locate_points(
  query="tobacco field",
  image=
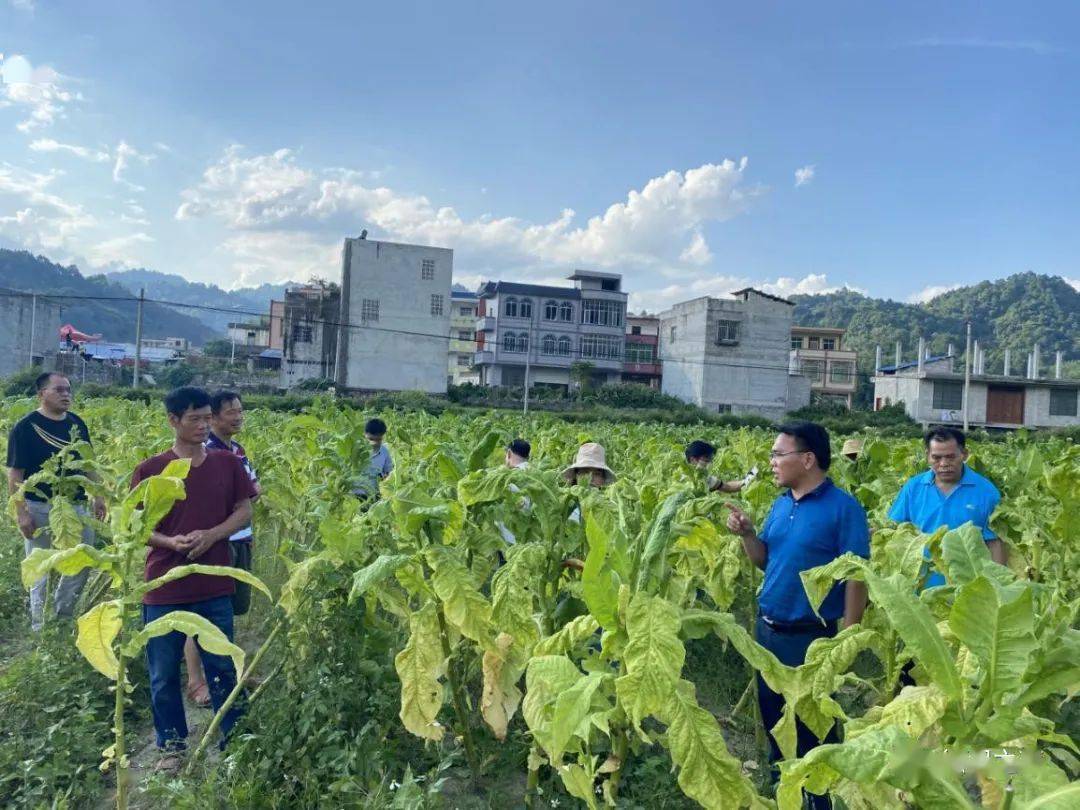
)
(407, 657)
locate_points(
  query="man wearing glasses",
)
(33, 440)
(812, 523)
(949, 494)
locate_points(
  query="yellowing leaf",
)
(653, 657)
(420, 667)
(208, 635)
(65, 525)
(500, 697)
(98, 628)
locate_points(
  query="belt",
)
(798, 627)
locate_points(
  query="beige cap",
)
(852, 448)
(590, 456)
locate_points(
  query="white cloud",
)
(657, 229)
(804, 175)
(125, 154)
(42, 220)
(719, 286)
(120, 250)
(39, 90)
(1033, 45)
(23, 5)
(931, 292)
(49, 145)
(1074, 283)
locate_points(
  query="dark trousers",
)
(790, 646)
(240, 554)
(163, 657)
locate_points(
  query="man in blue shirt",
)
(812, 523)
(949, 494)
(379, 464)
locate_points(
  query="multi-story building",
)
(731, 355)
(250, 333)
(462, 349)
(395, 316)
(546, 329)
(177, 344)
(641, 363)
(932, 392)
(29, 330)
(277, 323)
(309, 333)
(819, 353)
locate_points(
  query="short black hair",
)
(943, 433)
(700, 449)
(219, 398)
(180, 400)
(376, 427)
(41, 381)
(520, 447)
(811, 438)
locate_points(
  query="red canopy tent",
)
(73, 335)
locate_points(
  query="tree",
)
(581, 374)
(217, 348)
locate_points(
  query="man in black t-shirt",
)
(33, 440)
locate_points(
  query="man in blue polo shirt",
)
(812, 523)
(949, 494)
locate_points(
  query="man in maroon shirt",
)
(217, 504)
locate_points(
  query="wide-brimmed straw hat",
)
(852, 448)
(590, 456)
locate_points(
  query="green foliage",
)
(176, 375)
(218, 347)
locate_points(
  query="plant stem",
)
(118, 727)
(747, 693)
(215, 724)
(459, 698)
(533, 781)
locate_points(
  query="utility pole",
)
(138, 338)
(33, 325)
(967, 375)
(528, 358)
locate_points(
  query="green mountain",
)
(170, 287)
(1014, 313)
(115, 320)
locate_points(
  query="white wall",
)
(407, 349)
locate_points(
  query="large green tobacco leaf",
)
(65, 525)
(464, 606)
(577, 709)
(98, 629)
(708, 773)
(599, 584)
(999, 633)
(67, 561)
(1056, 666)
(653, 657)
(915, 710)
(652, 558)
(571, 635)
(549, 678)
(420, 668)
(384, 566)
(206, 633)
(181, 571)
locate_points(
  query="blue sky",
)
(695, 147)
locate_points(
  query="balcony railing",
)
(642, 368)
(485, 323)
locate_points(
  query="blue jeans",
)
(790, 648)
(163, 657)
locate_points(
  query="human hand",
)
(199, 542)
(26, 523)
(738, 523)
(99, 508)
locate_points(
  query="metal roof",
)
(913, 364)
(491, 288)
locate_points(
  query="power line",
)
(575, 353)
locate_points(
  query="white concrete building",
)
(395, 317)
(732, 355)
(548, 328)
(462, 351)
(932, 392)
(309, 333)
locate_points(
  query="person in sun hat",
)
(590, 460)
(852, 449)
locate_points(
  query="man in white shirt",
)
(517, 458)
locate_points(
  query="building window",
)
(427, 269)
(301, 333)
(551, 310)
(467, 311)
(948, 396)
(464, 360)
(601, 347)
(723, 407)
(510, 342)
(466, 334)
(635, 330)
(510, 307)
(814, 369)
(436, 304)
(564, 346)
(522, 343)
(639, 353)
(727, 332)
(525, 308)
(547, 345)
(814, 343)
(828, 344)
(602, 313)
(1063, 401)
(840, 372)
(369, 310)
(566, 312)
(672, 335)
(796, 341)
